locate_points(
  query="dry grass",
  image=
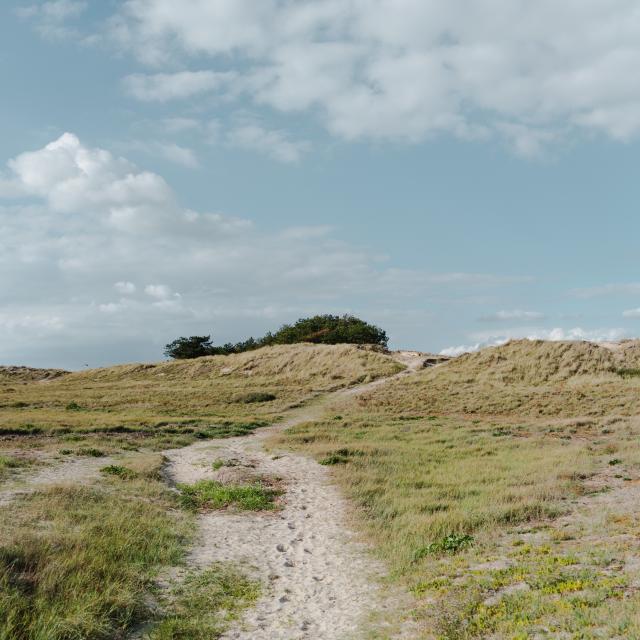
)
(181, 394)
(80, 561)
(522, 378)
(505, 521)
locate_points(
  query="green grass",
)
(77, 562)
(417, 482)
(119, 471)
(204, 604)
(210, 494)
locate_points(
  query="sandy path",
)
(74, 471)
(319, 581)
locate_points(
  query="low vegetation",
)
(211, 494)
(185, 399)
(500, 488)
(523, 378)
(203, 605)
(77, 562)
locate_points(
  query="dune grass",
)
(201, 607)
(418, 481)
(522, 379)
(500, 489)
(11, 463)
(77, 562)
(184, 397)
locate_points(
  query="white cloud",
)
(489, 339)
(631, 313)
(125, 287)
(180, 155)
(51, 18)
(88, 225)
(274, 144)
(513, 314)
(159, 291)
(532, 73)
(162, 87)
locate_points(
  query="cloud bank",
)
(530, 73)
(99, 259)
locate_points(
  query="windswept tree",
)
(329, 329)
(321, 329)
(192, 347)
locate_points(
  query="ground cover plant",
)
(210, 494)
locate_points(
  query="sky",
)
(458, 172)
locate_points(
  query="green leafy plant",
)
(451, 544)
(121, 472)
(211, 494)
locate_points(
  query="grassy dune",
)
(504, 520)
(184, 395)
(80, 556)
(523, 379)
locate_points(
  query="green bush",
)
(256, 396)
(121, 472)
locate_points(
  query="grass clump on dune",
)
(77, 562)
(211, 494)
(204, 604)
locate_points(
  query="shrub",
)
(122, 472)
(329, 329)
(334, 458)
(91, 452)
(73, 406)
(256, 396)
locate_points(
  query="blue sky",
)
(457, 172)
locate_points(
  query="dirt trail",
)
(319, 581)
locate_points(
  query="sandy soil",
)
(319, 581)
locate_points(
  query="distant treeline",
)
(322, 329)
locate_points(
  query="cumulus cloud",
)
(105, 246)
(529, 73)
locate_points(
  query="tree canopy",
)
(320, 329)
